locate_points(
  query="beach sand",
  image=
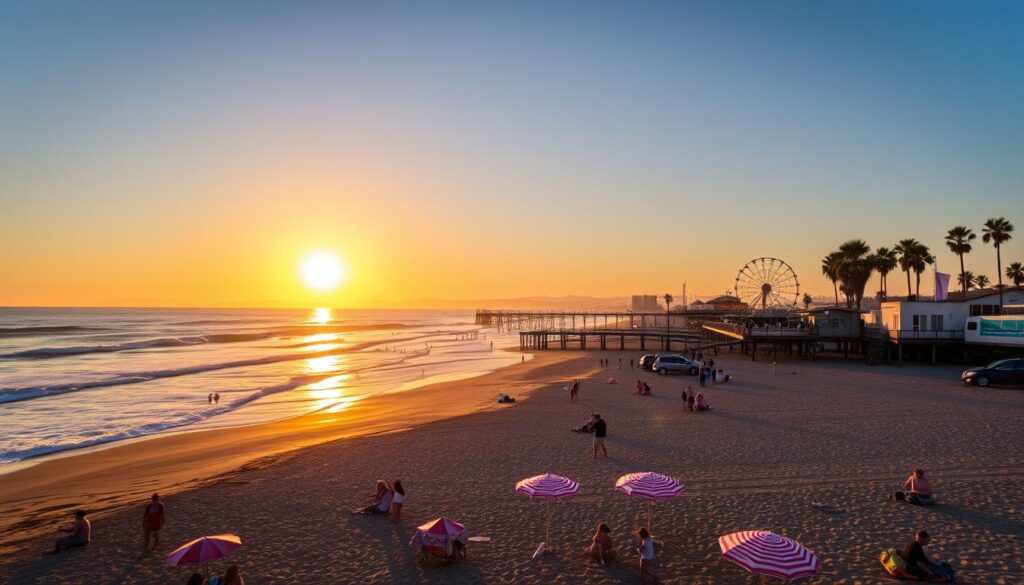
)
(812, 452)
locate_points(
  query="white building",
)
(943, 319)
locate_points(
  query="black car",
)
(647, 361)
(1009, 371)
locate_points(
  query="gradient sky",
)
(190, 153)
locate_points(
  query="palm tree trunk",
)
(909, 292)
(835, 290)
(963, 277)
(917, 288)
(999, 273)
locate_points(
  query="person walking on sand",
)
(689, 400)
(700, 375)
(80, 533)
(209, 397)
(631, 363)
(216, 398)
(152, 521)
(600, 429)
(646, 551)
(574, 391)
(620, 363)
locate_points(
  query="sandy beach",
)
(812, 452)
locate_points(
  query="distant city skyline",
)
(167, 154)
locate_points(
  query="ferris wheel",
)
(767, 283)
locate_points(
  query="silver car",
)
(675, 364)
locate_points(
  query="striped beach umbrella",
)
(547, 487)
(438, 535)
(650, 486)
(203, 550)
(766, 553)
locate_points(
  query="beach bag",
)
(894, 564)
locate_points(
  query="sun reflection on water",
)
(321, 315)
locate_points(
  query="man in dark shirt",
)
(918, 564)
(600, 430)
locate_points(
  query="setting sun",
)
(322, 271)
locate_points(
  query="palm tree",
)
(807, 301)
(668, 316)
(966, 280)
(906, 251)
(1015, 272)
(829, 266)
(959, 241)
(885, 262)
(855, 266)
(982, 281)
(922, 260)
(997, 230)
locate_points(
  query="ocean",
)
(74, 378)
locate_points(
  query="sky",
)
(193, 153)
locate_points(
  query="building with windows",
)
(944, 319)
(645, 304)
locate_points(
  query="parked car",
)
(647, 361)
(1009, 371)
(674, 364)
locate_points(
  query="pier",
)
(514, 320)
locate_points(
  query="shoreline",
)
(34, 494)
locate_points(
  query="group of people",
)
(79, 534)
(695, 403)
(213, 398)
(602, 550)
(642, 388)
(386, 499)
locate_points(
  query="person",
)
(689, 401)
(620, 363)
(701, 405)
(380, 502)
(700, 375)
(209, 397)
(646, 551)
(397, 500)
(233, 577)
(216, 398)
(646, 389)
(639, 387)
(80, 533)
(918, 490)
(600, 431)
(152, 521)
(601, 548)
(918, 564)
(195, 579)
(688, 388)
(631, 363)
(456, 551)
(574, 391)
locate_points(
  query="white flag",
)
(941, 286)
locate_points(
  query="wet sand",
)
(812, 452)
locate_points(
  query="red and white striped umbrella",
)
(204, 549)
(766, 553)
(650, 486)
(547, 486)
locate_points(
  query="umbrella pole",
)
(650, 525)
(547, 523)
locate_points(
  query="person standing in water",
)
(152, 521)
(209, 397)
(216, 398)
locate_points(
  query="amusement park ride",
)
(768, 284)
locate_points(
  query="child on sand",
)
(397, 500)
(646, 551)
(602, 549)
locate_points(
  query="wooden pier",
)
(593, 320)
(604, 339)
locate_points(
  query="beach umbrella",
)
(204, 549)
(547, 487)
(437, 536)
(650, 486)
(766, 553)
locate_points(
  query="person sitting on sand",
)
(918, 564)
(380, 502)
(701, 405)
(152, 521)
(232, 577)
(646, 390)
(646, 552)
(918, 490)
(397, 500)
(601, 548)
(80, 533)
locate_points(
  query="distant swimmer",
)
(216, 398)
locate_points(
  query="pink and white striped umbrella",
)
(204, 549)
(766, 553)
(437, 535)
(650, 486)
(548, 486)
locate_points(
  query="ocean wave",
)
(155, 427)
(295, 331)
(46, 330)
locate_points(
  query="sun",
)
(322, 271)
